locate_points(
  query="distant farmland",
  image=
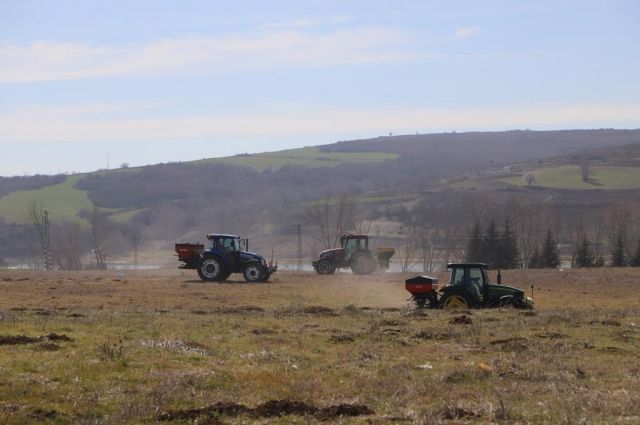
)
(569, 177)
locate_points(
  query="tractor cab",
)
(227, 243)
(352, 244)
(469, 279)
(232, 246)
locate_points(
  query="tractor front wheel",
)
(211, 269)
(255, 272)
(455, 301)
(363, 264)
(325, 267)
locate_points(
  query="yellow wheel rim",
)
(455, 301)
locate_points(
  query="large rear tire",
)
(363, 264)
(255, 272)
(325, 267)
(455, 302)
(212, 269)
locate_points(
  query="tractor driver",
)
(476, 282)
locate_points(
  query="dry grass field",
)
(163, 347)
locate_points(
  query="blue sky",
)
(141, 82)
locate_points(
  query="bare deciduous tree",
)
(68, 240)
(410, 247)
(332, 218)
(426, 249)
(529, 179)
(585, 167)
(39, 218)
(99, 237)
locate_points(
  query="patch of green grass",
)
(569, 177)
(62, 200)
(124, 216)
(308, 157)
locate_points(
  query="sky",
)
(86, 85)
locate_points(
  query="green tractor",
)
(469, 287)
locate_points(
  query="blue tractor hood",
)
(249, 256)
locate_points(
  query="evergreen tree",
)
(635, 260)
(618, 255)
(549, 258)
(584, 255)
(490, 245)
(507, 255)
(598, 261)
(474, 252)
(534, 259)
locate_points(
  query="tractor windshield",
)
(355, 244)
(457, 276)
(228, 244)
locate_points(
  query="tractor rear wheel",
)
(363, 264)
(255, 272)
(211, 269)
(455, 301)
(325, 267)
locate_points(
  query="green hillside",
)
(308, 157)
(63, 201)
(569, 177)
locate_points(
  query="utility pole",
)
(299, 266)
(135, 251)
(48, 258)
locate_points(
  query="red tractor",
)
(354, 253)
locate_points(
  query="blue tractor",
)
(224, 255)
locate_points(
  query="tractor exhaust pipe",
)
(499, 278)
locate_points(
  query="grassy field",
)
(569, 177)
(308, 157)
(62, 201)
(162, 347)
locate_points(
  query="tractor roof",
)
(460, 265)
(354, 235)
(221, 236)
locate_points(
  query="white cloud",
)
(102, 123)
(465, 32)
(49, 61)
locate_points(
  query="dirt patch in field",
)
(23, 339)
(17, 339)
(76, 315)
(319, 311)
(462, 320)
(268, 409)
(48, 346)
(58, 337)
(341, 338)
(263, 331)
(240, 309)
(551, 335)
(605, 322)
(512, 344)
(42, 415)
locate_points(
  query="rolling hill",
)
(262, 194)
